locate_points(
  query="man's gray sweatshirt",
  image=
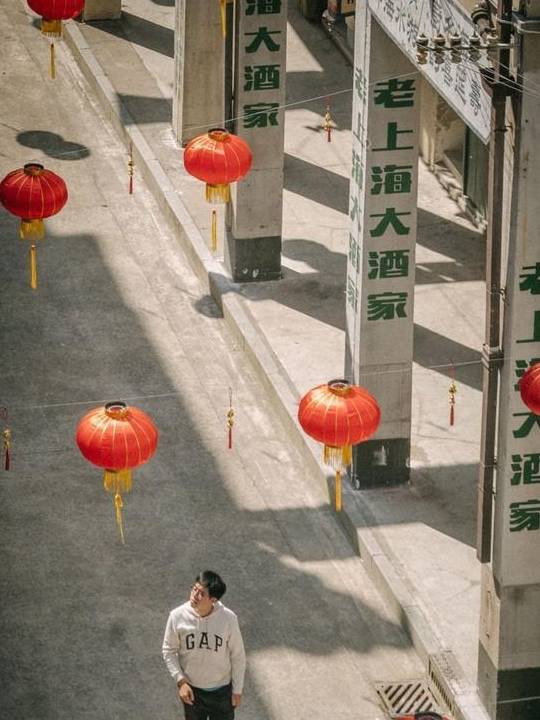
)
(206, 651)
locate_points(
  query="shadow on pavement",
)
(140, 31)
(142, 110)
(82, 610)
(53, 145)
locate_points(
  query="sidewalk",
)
(417, 541)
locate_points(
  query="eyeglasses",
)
(199, 591)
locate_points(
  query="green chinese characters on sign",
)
(390, 218)
(263, 7)
(260, 115)
(521, 367)
(388, 264)
(354, 252)
(357, 169)
(525, 469)
(360, 83)
(536, 329)
(352, 292)
(392, 134)
(527, 425)
(386, 306)
(391, 179)
(261, 77)
(529, 280)
(263, 36)
(525, 515)
(394, 93)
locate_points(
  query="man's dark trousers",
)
(210, 704)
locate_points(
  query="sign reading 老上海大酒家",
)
(382, 231)
(458, 83)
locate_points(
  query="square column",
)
(199, 68)
(509, 650)
(381, 253)
(253, 246)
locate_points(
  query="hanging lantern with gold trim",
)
(52, 13)
(529, 388)
(117, 438)
(33, 193)
(218, 158)
(339, 415)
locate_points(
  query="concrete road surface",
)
(119, 315)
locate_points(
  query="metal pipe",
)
(492, 355)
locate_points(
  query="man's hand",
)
(236, 699)
(185, 693)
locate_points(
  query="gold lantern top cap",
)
(339, 386)
(33, 168)
(116, 409)
(219, 134)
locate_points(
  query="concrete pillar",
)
(509, 649)
(199, 68)
(253, 247)
(381, 253)
(101, 10)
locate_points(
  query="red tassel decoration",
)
(7, 445)
(452, 390)
(328, 123)
(230, 419)
(130, 168)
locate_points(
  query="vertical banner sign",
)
(458, 83)
(261, 43)
(516, 537)
(381, 253)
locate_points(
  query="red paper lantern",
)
(218, 158)
(117, 438)
(339, 415)
(52, 13)
(529, 387)
(33, 193)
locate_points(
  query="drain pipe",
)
(492, 354)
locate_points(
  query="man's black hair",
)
(212, 582)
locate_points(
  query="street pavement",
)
(126, 308)
(119, 314)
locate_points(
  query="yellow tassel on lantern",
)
(51, 28)
(118, 505)
(213, 245)
(34, 229)
(338, 491)
(223, 11)
(52, 62)
(339, 458)
(118, 482)
(220, 193)
(33, 267)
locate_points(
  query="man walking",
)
(204, 652)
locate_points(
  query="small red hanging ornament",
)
(52, 13)
(230, 420)
(117, 438)
(452, 391)
(339, 415)
(529, 388)
(6, 439)
(328, 123)
(218, 158)
(33, 193)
